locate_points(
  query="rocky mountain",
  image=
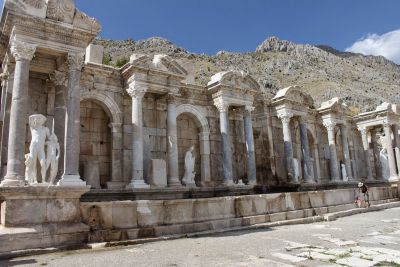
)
(323, 72)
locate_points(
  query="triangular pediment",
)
(162, 63)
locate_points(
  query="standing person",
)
(364, 190)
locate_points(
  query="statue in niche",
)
(296, 169)
(345, 178)
(188, 178)
(384, 160)
(41, 138)
(53, 154)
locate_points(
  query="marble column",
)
(60, 108)
(71, 175)
(346, 152)
(225, 141)
(397, 146)
(272, 158)
(7, 85)
(376, 153)
(364, 136)
(249, 138)
(333, 162)
(305, 148)
(172, 144)
(116, 156)
(137, 92)
(285, 117)
(391, 158)
(204, 138)
(23, 54)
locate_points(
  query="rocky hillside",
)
(362, 81)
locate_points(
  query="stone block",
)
(92, 173)
(150, 213)
(124, 214)
(94, 54)
(158, 173)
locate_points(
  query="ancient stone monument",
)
(150, 130)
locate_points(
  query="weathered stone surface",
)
(158, 173)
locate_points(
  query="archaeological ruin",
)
(91, 152)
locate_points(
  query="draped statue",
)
(188, 178)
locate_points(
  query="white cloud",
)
(387, 45)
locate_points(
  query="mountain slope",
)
(362, 81)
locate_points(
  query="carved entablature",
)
(161, 73)
(335, 109)
(234, 88)
(294, 95)
(386, 113)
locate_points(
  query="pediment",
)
(234, 79)
(162, 63)
(296, 95)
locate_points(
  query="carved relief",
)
(75, 61)
(22, 50)
(36, 3)
(83, 21)
(61, 10)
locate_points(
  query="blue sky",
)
(208, 26)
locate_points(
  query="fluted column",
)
(376, 154)
(346, 151)
(389, 147)
(364, 136)
(397, 146)
(23, 54)
(7, 81)
(137, 92)
(285, 117)
(334, 166)
(60, 108)
(225, 140)
(249, 138)
(71, 175)
(172, 143)
(305, 148)
(116, 156)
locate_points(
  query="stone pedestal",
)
(116, 157)
(41, 217)
(92, 173)
(158, 173)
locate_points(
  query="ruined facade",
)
(117, 126)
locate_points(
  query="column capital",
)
(221, 105)
(285, 115)
(248, 109)
(172, 95)
(363, 130)
(75, 61)
(115, 127)
(329, 124)
(137, 90)
(58, 78)
(22, 50)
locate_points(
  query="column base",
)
(12, 181)
(71, 181)
(310, 182)
(174, 182)
(115, 185)
(393, 179)
(137, 184)
(228, 183)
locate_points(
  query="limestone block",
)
(63, 210)
(158, 173)
(124, 214)
(92, 173)
(178, 211)
(36, 8)
(94, 54)
(150, 213)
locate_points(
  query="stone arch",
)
(110, 106)
(200, 119)
(195, 113)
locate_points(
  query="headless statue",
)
(53, 154)
(188, 178)
(36, 149)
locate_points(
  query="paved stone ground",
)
(369, 239)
